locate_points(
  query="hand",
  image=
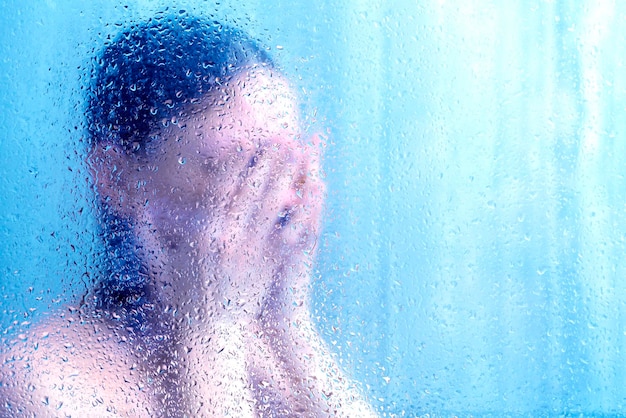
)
(264, 241)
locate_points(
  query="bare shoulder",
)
(67, 367)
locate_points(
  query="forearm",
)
(313, 370)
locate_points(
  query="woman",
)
(211, 204)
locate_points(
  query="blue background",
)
(472, 259)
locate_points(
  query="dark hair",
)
(144, 75)
(149, 71)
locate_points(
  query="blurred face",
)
(199, 162)
(215, 189)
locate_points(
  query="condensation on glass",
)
(307, 207)
(207, 195)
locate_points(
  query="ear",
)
(109, 167)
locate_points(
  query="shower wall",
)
(472, 253)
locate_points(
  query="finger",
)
(298, 237)
(231, 207)
(277, 196)
(316, 191)
(255, 206)
(307, 200)
(254, 182)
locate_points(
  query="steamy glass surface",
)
(470, 253)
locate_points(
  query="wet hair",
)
(153, 69)
(123, 288)
(147, 74)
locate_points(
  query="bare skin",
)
(227, 205)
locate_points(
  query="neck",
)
(185, 279)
